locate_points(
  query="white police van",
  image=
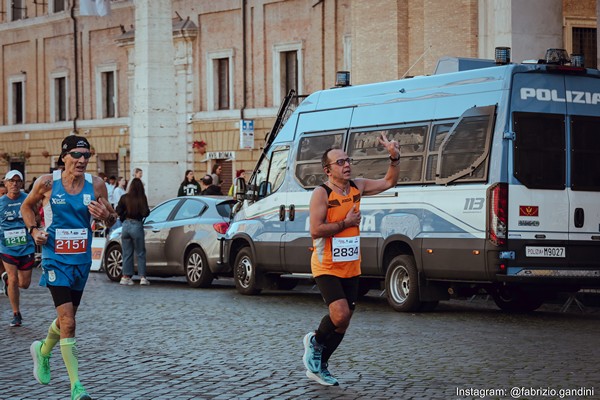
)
(499, 187)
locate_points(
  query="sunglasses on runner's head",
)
(342, 161)
(78, 154)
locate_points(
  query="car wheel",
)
(113, 262)
(244, 273)
(401, 284)
(197, 273)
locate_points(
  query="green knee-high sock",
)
(68, 348)
(52, 338)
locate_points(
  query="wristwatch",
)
(31, 228)
(394, 159)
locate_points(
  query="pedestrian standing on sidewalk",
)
(189, 186)
(17, 249)
(334, 219)
(71, 199)
(132, 209)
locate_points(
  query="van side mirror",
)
(240, 189)
(264, 189)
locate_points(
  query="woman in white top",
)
(119, 190)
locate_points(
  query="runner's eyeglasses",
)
(342, 161)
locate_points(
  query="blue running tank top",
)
(14, 238)
(69, 223)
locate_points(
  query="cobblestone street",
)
(169, 341)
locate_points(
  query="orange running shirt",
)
(322, 258)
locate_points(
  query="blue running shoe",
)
(312, 353)
(323, 377)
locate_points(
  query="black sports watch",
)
(31, 228)
(394, 159)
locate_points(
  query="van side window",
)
(270, 173)
(585, 153)
(438, 134)
(309, 171)
(539, 150)
(371, 160)
(464, 151)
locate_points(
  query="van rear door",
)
(538, 216)
(554, 188)
(584, 165)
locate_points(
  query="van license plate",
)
(554, 252)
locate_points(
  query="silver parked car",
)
(182, 239)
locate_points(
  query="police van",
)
(499, 189)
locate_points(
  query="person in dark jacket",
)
(132, 209)
(210, 189)
(189, 186)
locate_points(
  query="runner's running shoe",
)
(41, 363)
(324, 377)
(78, 392)
(312, 353)
(17, 319)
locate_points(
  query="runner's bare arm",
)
(101, 208)
(319, 227)
(375, 186)
(30, 207)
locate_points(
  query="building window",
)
(581, 38)
(16, 105)
(223, 83)
(219, 80)
(59, 103)
(17, 10)
(584, 42)
(57, 6)
(287, 70)
(106, 92)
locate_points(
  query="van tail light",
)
(498, 214)
(221, 227)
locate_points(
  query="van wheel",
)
(401, 284)
(197, 273)
(513, 299)
(244, 273)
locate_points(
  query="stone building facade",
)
(228, 61)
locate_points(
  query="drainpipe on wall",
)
(244, 62)
(76, 59)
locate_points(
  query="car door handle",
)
(282, 212)
(292, 213)
(579, 217)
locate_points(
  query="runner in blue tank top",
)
(71, 200)
(17, 250)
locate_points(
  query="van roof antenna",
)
(415, 63)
